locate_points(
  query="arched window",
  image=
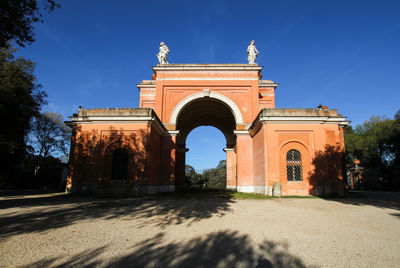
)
(293, 163)
(119, 164)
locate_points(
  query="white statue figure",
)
(163, 54)
(252, 52)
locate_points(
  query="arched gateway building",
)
(142, 150)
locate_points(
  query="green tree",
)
(192, 178)
(372, 143)
(20, 100)
(215, 178)
(17, 19)
(376, 135)
(395, 139)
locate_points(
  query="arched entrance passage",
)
(205, 111)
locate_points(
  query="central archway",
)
(196, 111)
(207, 94)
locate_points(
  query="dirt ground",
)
(53, 230)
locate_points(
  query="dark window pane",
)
(120, 164)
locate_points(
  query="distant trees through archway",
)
(206, 161)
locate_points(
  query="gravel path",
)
(56, 230)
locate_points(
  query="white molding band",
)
(209, 67)
(173, 132)
(84, 118)
(241, 132)
(234, 108)
(118, 120)
(146, 86)
(267, 94)
(304, 119)
(207, 78)
(147, 94)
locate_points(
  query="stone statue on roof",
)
(163, 54)
(252, 52)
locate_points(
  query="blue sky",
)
(343, 54)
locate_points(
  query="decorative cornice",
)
(299, 119)
(297, 116)
(208, 67)
(117, 115)
(207, 79)
(146, 86)
(267, 83)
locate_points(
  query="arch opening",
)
(205, 144)
(207, 95)
(207, 112)
(205, 166)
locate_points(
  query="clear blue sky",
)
(343, 54)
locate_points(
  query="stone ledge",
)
(115, 112)
(212, 67)
(299, 112)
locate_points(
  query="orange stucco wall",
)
(255, 161)
(171, 87)
(91, 157)
(259, 161)
(315, 142)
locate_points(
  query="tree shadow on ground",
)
(86, 258)
(389, 200)
(396, 215)
(218, 249)
(45, 213)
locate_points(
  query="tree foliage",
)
(20, 100)
(395, 139)
(372, 142)
(215, 178)
(212, 178)
(17, 18)
(49, 135)
(21, 97)
(192, 178)
(376, 143)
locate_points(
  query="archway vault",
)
(205, 111)
(206, 94)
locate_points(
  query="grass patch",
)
(199, 194)
(299, 196)
(194, 194)
(238, 195)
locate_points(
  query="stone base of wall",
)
(156, 189)
(252, 189)
(121, 190)
(328, 190)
